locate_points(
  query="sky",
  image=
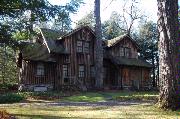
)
(149, 7)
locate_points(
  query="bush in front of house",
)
(11, 98)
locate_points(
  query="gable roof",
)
(35, 52)
(50, 39)
(76, 30)
(114, 41)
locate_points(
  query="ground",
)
(92, 105)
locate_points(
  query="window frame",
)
(65, 71)
(127, 51)
(40, 69)
(79, 46)
(122, 53)
(86, 47)
(81, 73)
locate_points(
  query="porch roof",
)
(131, 62)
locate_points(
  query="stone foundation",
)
(39, 88)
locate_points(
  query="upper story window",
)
(86, 47)
(65, 70)
(82, 46)
(81, 71)
(127, 52)
(121, 51)
(66, 59)
(79, 46)
(40, 69)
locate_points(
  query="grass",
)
(85, 97)
(103, 96)
(142, 110)
(136, 111)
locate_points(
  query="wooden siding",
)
(29, 69)
(76, 58)
(125, 43)
(125, 76)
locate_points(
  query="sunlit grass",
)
(141, 111)
(103, 96)
(85, 97)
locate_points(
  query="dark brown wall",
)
(76, 59)
(29, 69)
(115, 51)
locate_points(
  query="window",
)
(86, 47)
(65, 70)
(40, 69)
(92, 71)
(66, 59)
(121, 51)
(127, 52)
(81, 71)
(79, 46)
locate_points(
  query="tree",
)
(21, 15)
(110, 28)
(98, 46)
(17, 18)
(168, 53)
(87, 20)
(129, 16)
(148, 41)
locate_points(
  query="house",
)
(56, 61)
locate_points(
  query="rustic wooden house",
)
(54, 61)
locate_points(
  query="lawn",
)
(103, 96)
(136, 111)
(85, 107)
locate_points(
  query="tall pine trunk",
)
(168, 53)
(98, 46)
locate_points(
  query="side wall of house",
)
(135, 77)
(29, 78)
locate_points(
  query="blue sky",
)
(149, 7)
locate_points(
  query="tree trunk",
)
(98, 47)
(168, 52)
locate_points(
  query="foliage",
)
(147, 38)
(110, 27)
(17, 20)
(11, 98)
(8, 68)
(129, 16)
(20, 15)
(87, 20)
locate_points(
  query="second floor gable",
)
(122, 46)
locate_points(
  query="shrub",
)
(11, 98)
